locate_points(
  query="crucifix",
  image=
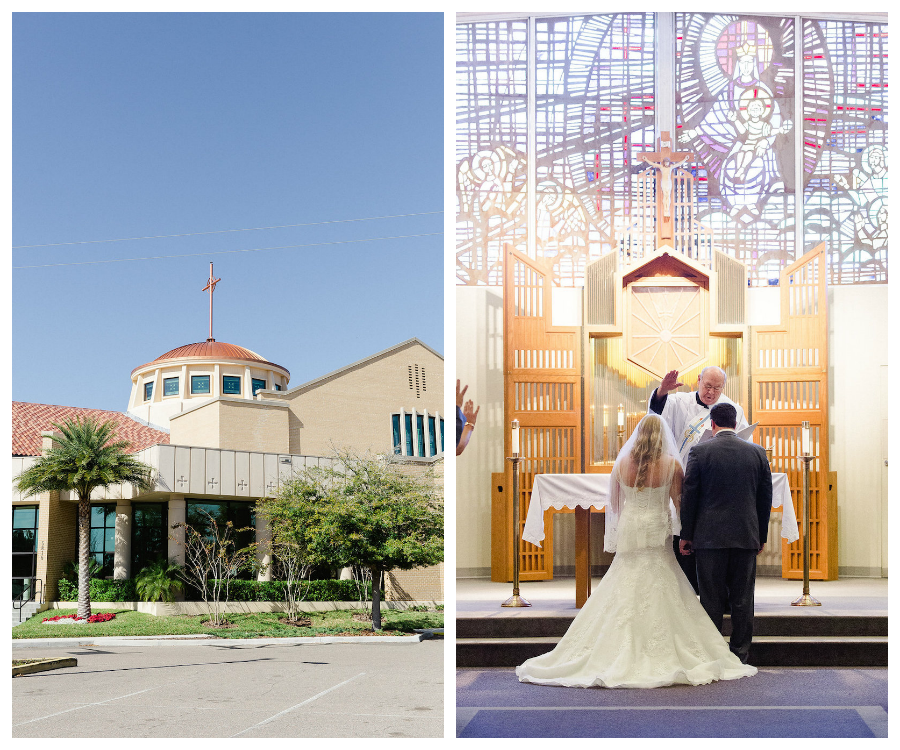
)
(211, 287)
(666, 160)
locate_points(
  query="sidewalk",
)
(208, 640)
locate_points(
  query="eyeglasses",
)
(711, 388)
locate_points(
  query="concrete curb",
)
(204, 640)
(44, 665)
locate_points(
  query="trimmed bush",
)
(101, 590)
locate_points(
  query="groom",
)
(725, 506)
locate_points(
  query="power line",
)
(227, 252)
(224, 231)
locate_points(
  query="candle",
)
(605, 412)
(805, 438)
(515, 437)
(621, 415)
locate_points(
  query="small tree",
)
(212, 560)
(292, 567)
(287, 514)
(365, 511)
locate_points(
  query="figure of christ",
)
(759, 135)
(666, 166)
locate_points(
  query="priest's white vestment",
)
(690, 419)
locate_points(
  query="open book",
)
(745, 434)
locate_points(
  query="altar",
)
(584, 492)
(579, 370)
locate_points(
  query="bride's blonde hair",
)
(648, 448)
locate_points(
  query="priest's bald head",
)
(710, 384)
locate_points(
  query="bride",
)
(643, 626)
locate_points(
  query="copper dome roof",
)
(212, 350)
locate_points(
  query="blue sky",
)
(135, 125)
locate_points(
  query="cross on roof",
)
(211, 287)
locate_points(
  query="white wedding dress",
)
(643, 626)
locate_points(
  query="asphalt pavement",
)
(235, 689)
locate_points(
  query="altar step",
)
(778, 641)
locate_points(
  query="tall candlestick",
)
(621, 415)
(515, 437)
(805, 438)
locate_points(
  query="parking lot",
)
(235, 690)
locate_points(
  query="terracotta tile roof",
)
(28, 420)
(211, 349)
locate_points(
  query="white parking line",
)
(303, 703)
(84, 705)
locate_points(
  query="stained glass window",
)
(734, 96)
(258, 384)
(845, 147)
(769, 107)
(490, 149)
(148, 391)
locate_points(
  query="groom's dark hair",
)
(724, 415)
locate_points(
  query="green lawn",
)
(258, 625)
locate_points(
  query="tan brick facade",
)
(417, 585)
(352, 407)
(57, 539)
(233, 424)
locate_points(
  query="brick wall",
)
(417, 585)
(57, 540)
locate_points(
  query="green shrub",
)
(311, 591)
(159, 581)
(101, 590)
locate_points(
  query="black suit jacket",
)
(727, 496)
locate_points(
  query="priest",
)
(688, 413)
(688, 416)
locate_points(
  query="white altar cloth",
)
(592, 491)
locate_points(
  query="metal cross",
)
(211, 287)
(181, 480)
(242, 484)
(212, 483)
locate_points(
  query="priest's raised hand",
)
(669, 383)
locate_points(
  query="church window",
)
(784, 118)
(259, 384)
(231, 385)
(242, 515)
(277, 387)
(395, 433)
(420, 434)
(407, 422)
(414, 435)
(170, 387)
(148, 391)
(149, 535)
(199, 383)
(103, 537)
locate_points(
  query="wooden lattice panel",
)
(789, 386)
(542, 372)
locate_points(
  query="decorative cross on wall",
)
(212, 483)
(181, 480)
(242, 485)
(211, 287)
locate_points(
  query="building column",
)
(263, 549)
(177, 514)
(122, 555)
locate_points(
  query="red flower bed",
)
(102, 617)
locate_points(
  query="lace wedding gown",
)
(643, 627)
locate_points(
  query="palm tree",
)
(86, 457)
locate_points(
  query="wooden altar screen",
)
(542, 389)
(790, 385)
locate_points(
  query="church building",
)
(222, 427)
